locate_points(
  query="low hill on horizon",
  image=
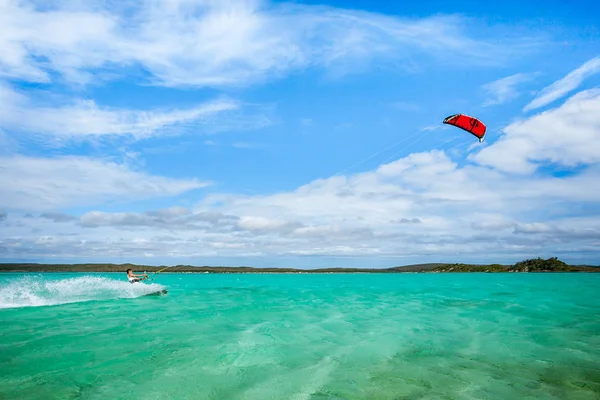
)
(531, 265)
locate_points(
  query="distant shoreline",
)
(374, 272)
(531, 265)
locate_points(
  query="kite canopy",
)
(469, 124)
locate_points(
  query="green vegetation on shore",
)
(552, 264)
(532, 265)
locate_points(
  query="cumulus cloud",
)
(32, 183)
(174, 218)
(567, 136)
(468, 211)
(216, 43)
(458, 205)
(565, 85)
(505, 89)
(565, 231)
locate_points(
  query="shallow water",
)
(301, 336)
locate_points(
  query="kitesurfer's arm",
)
(135, 278)
(140, 277)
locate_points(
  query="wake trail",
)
(36, 291)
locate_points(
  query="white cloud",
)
(431, 128)
(57, 216)
(216, 43)
(565, 85)
(453, 204)
(178, 218)
(262, 224)
(83, 118)
(505, 89)
(568, 136)
(33, 42)
(423, 205)
(30, 183)
(8, 145)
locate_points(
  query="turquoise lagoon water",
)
(301, 336)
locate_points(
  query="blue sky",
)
(303, 134)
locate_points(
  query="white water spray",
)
(34, 291)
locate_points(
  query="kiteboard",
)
(158, 293)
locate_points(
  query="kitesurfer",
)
(135, 278)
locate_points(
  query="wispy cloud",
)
(431, 128)
(82, 118)
(210, 43)
(31, 183)
(565, 85)
(8, 145)
(505, 89)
